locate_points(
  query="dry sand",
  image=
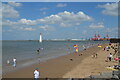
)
(63, 67)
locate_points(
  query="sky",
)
(58, 20)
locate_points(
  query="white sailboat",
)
(40, 40)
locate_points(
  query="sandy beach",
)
(73, 65)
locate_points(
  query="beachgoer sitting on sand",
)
(104, 48)
(94, 55)
(71, 59)
(116, 59)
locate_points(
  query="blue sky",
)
(58, 20)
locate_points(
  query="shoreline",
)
(28, 62)
(55, 68)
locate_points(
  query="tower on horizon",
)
(40, 40)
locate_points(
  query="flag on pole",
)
(76, 49)
(75, 46)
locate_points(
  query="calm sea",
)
(26, 51)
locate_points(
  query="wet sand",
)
(73, 65)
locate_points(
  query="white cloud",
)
(44, 8)
(47, 28)
(27, 29)
(9, 11)
(20, 22)
(65, 25)
(27, 22)
(65, 18)
(8, 23)
(61, 5)
(98, 25)
(15, 4)
(110, 9)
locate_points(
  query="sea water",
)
(26, 51)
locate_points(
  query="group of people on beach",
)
(110, 57)
(14, 63)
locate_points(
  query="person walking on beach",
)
(36, 74)
(110, 57)
(14, 62)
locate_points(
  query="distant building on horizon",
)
(98, 38)
(40, 40)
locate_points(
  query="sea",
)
(26, 51)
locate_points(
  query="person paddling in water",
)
(14, 62)
(38, 52)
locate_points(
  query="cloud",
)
(8, 23)
(27, 22)
(9, 11)
(110, 9)
(47, 28)
(98, 25)
(20, 22)
(42, 9)
(65, 18)
(65, 25)
(61, 5)
(15, 4)
(27, 29)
